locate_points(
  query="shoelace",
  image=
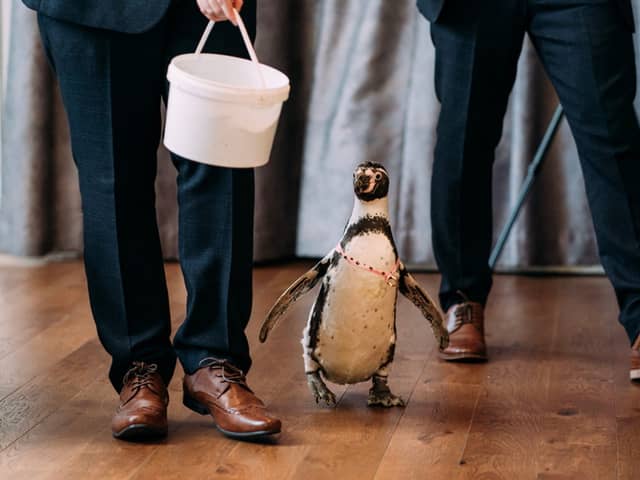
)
(464, 313)
(140, 375)
(228, 372)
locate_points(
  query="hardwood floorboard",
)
(430, 438)
(504, 433)
(85, 415)
(40, 297)
(370, 429)
(36, 400)
(277, 367)
(580, 438)
(554, 402)
(627, 408)
(26, 361)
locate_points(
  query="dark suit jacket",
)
(432, 9)
(128, 16)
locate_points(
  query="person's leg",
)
(111, 86)
(477, 47)
(216, 254)
(215, 220)
(587, 49)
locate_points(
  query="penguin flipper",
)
(411, 289)
(301, 286)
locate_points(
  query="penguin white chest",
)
(356, 333)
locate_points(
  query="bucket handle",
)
(245, 38)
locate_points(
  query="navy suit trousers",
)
(112, 85)
(587, 50)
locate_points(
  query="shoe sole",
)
(140, 432)
(467, 357)
(634, 375)
(197, 407)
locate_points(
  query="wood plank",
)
(554, 402)
(369, 430)
(628, 427)
(627, 398)
(479, 418)
(505, 430)
(580, 426)
(86, 448)
(84, 419)
(70, 328)
(203, 451)
(80, 416)
(40, 352)
(431, 435)
(42, 298)
(29, 405)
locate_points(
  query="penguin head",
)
(370, 181)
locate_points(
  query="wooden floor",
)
(553, 403)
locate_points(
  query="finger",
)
(209, 11)
(203, 6)
(215, 17)
(215, 9)
(237, 4)
(227, 8)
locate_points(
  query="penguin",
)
(350, 335)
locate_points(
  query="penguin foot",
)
(380, 395)
(384, 399)
(319, 389)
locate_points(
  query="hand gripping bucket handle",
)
(245, 38)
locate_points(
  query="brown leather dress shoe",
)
(142, 413)
(220, 389)
(634, 372)
(465, 323)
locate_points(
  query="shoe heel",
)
(194, 405)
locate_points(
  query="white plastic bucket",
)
(220, 112)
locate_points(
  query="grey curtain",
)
(362, 89)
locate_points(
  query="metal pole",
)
(532, 172)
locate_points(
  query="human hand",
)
(220, 10)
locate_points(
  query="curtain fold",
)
(362, 89)
(37, 209)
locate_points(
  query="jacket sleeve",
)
(627, 12)
(127, 16)
(431, 9)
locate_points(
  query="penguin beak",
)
(363, 184)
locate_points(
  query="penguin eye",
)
(378, 176)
